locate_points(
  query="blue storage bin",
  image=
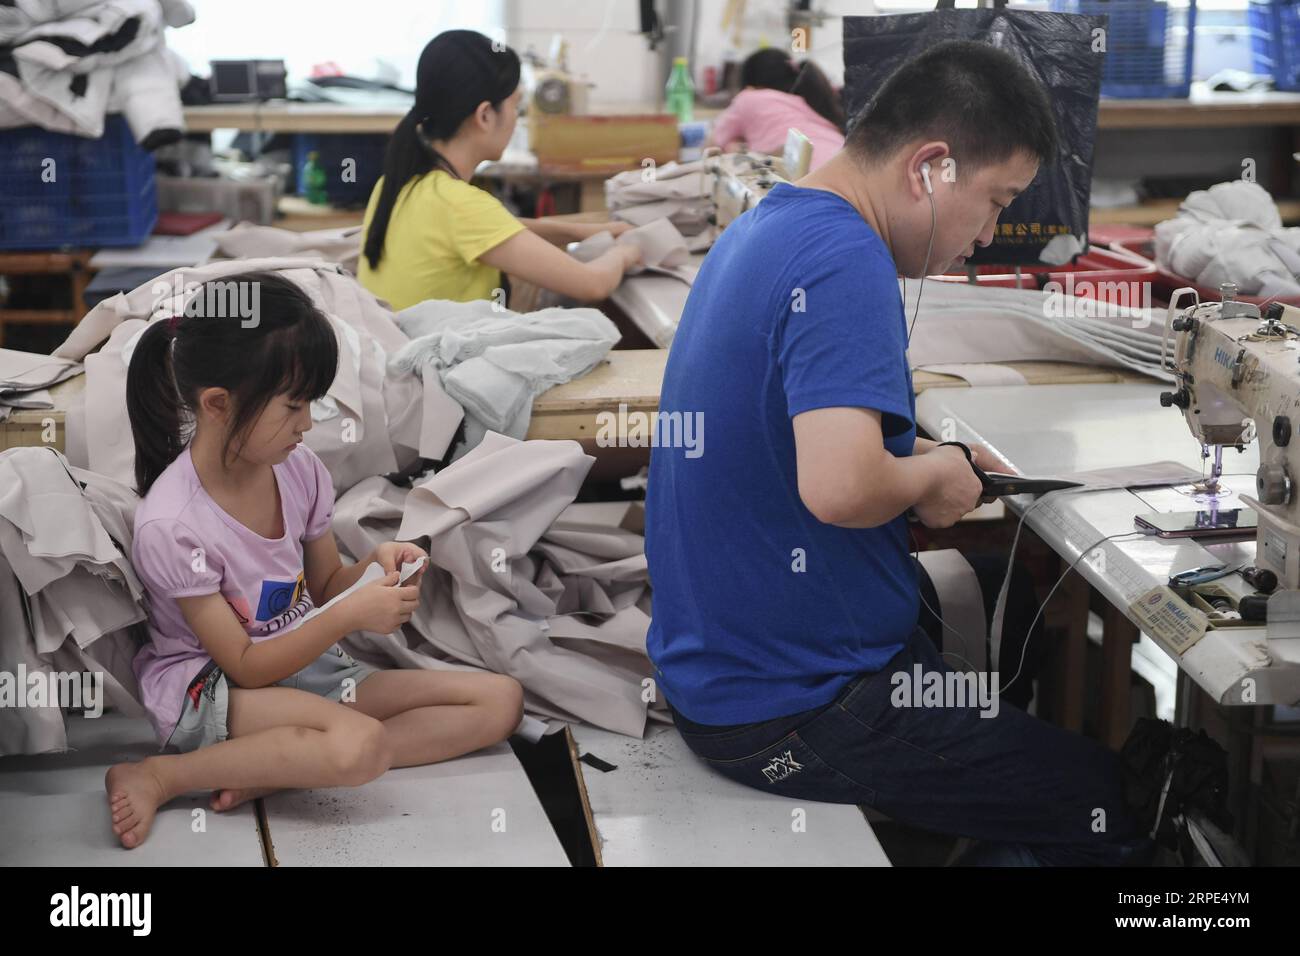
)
(1149, 46)
(1275, 40)
(102, 193)
(365, 149)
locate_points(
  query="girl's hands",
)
(391, 555)
(381, 606)
(614, 227)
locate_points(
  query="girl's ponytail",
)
(254, 334)
(152, 402)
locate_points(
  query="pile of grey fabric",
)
(66, 64)
(674, 191)
(494, 362)
(70, 603)
(522, 581)
(26, 378)
(1232, 232)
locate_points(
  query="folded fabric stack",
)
(965, 330)
(494, 362)
(68, 63)
(1232, 232)
(663, 249)
(25, 379)
(674, 191)
(69, 599)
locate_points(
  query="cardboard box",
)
(603, 143)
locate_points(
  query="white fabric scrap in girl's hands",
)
(374, 572)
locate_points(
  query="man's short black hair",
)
(978, 99)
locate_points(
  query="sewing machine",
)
(738, 181)
(1238, 380)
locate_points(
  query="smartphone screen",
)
(1192, 523)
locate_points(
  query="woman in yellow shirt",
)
(428, 233)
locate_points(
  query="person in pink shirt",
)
(242, 676)
(776, 96)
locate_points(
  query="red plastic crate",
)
(1095, 271)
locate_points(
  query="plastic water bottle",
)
(679, 94)
(314, 175)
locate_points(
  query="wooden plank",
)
(663, 806)
(1036, 373)
(1203, 108)
(299, 215)
(293, 118)
(1118, 635)
(1155, 211)
(54, 811)
(476, 810)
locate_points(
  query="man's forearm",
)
(902, 483)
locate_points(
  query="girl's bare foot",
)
(229, 799)
(134, 796)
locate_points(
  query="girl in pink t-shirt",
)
(243, 674)
(776, 96)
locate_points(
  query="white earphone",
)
(929, 194)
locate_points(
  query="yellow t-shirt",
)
(439, 227)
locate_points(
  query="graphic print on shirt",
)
(280, 604)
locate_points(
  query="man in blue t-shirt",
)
(785, 595)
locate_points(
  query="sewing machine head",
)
(1238, 380)
(738, 181)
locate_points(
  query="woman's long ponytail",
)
(458, 70)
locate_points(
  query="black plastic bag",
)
(1057, 48)
(1170, 772)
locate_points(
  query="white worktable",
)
(654, 303)
(663, 806)
(1059, 429)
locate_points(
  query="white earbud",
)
(925, 177)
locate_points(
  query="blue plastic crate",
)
(1275, 40)
(1149, 46)
(365, 149)
(102, 191)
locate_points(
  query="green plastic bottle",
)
(679, 94)
(314, 175)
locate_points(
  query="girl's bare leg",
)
(279, 738)
(430, 716)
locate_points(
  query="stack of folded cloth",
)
(25, 379)
(674, 191)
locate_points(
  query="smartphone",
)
(1196, 524)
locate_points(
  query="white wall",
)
(306, 32)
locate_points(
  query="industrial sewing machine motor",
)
(1238, 380)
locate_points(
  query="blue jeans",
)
(1035, 794)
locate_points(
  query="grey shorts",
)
(204, 712)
